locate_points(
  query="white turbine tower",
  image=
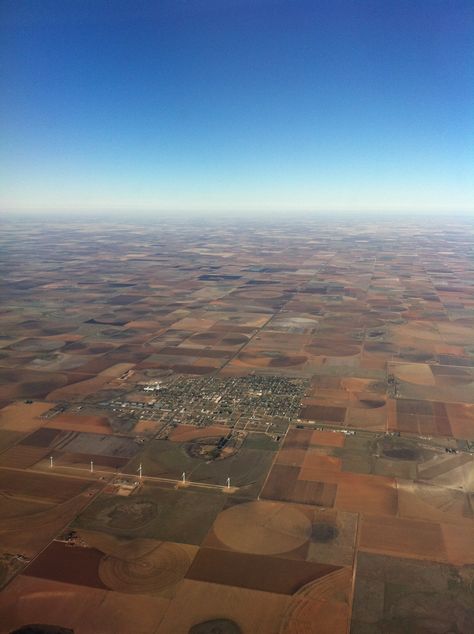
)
(140, 471)
(92, 466)
(228, 483)
(50, 462)
(183, 477)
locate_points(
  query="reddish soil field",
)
(360, 493)
(70, 564)
(328, 464)
(80, 422)
(291, 457)
(328, 438)
(257, 572)
(461, 418)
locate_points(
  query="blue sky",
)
(237, 105)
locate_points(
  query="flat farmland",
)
(48, 488)
(60, 562)
(140, 566)
(81, 608)
(27, 526)
(80, 423)
(200, 602)
(326, 368)
(23, 417)
(256, 572)
(182, 516)
(398, 595)
(401, 537)
(247, 468)
(263, 528)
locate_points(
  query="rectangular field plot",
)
(22, 457)
(178, 515)
(97, 444)
(402, 537)
(69, 421)
(391, 594)
(69, 564)
(23, 417)
(44, 600)
(358, 493)
(284, 484)
(257, 572)
(50, 488)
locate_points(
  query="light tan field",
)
(199, 601)
(85, 610)
(22, 416)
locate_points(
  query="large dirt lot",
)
(314, 382)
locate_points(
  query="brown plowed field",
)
(70, 564)
(80, 422)
(257, 572)
(22, 457)
(323, 413)
(44, 487)
(43, 437)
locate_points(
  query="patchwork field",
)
(244, 429)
